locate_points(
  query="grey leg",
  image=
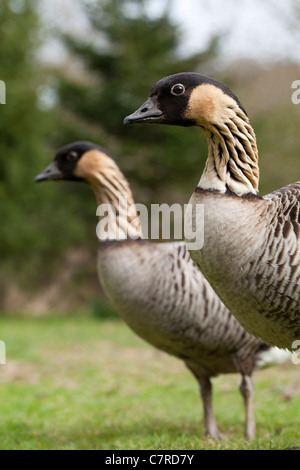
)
(211, 428)
(247, 391)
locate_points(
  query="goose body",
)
(173, 307)
(251, 252)
(261, 286)
(157, 289)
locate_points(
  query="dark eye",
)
(72, 156)
(177, 89)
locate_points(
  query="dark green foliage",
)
(103, 310)
(31, 215)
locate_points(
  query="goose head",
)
(187, 99)
(78, 161)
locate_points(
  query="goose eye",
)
(177, 89)
(72, 156)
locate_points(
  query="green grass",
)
(75, 382)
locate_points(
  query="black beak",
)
(52, 172)
(148, 112)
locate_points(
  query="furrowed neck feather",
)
(232, 162)
(118, 217)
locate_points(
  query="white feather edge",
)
(272, 357)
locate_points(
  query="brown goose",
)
(251, 253)
(156, 288)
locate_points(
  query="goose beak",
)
(52, 172)
(148, 112)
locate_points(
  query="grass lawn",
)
(77, 382)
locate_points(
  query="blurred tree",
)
(127, 50)
(29, 214)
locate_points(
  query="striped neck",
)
(232, 162)
(118, 217)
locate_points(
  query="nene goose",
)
(156, 288)
(251, 253)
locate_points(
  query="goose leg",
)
(211, 428)
(247, 391)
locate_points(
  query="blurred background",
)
(73, 70)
